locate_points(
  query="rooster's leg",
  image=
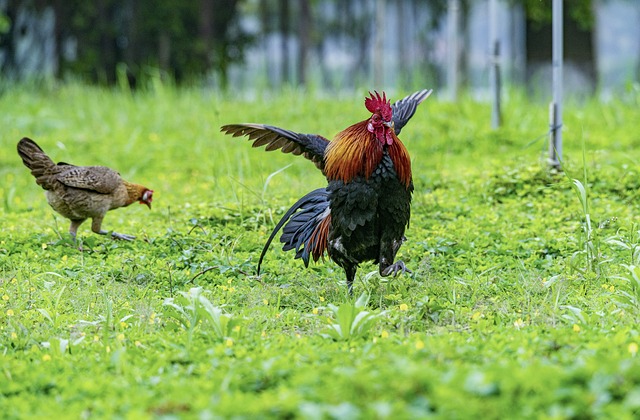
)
(350, 271)
(397, 267)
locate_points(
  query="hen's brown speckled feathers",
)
(81, 192)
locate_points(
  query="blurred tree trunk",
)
(205, 31)
(264, 32)
(304, 37)
(284, 33)
(378, 48)
(164, 51)
(107, 61)
(403, 58)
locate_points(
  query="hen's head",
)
(381, 122)
(146, 197)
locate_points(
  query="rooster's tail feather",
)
(306, 227)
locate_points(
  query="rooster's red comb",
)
(379, 104)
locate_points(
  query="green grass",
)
(519, 304)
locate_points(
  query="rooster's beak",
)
(389, 124)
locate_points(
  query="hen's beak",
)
(389, 124)
(148, 205)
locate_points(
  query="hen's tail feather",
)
(36, 160)
(301, 226)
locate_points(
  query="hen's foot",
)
(122, 236)
(397, 267)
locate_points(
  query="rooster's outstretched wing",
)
(311, 146)
(404, 109)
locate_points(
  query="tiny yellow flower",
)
(123, 324)
(321, 299)
(264, 334)
(633, 348)
(108, 349)
(92, 305)
(236, 328)
(14, 335)
(9, 312)
(44, 246)
(278, 315)
(298, 335)
(228, 342)
(137, 343)
(419, 345)
(265, 301)
(232, 289)
(120, 337)
(384, 334)
(518, 323)
(5, 297)
(576, 328)
(64, 258)
(476, 316)
(404, 307)
(46, 357)
(315, 311)
(612, 288)
(14, 280)
(96, 338)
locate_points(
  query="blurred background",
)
(323, 44)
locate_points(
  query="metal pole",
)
(494, 67)
(453, 19)
(555, 108)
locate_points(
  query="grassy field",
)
(523, 303)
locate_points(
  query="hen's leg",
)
(96, 227)
(73, 229)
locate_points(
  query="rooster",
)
(82, 192)
(363, 212)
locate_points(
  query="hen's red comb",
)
(377, 103)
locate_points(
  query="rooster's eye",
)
(376, 118)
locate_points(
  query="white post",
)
(555, 108)
(453, 24)
(494, 65)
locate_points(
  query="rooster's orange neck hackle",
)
(358, 150)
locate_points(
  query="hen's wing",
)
(311, 146)
(404, 109)
(93, 178)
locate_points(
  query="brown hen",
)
(82, 192)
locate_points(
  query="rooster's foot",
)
(397, 267)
